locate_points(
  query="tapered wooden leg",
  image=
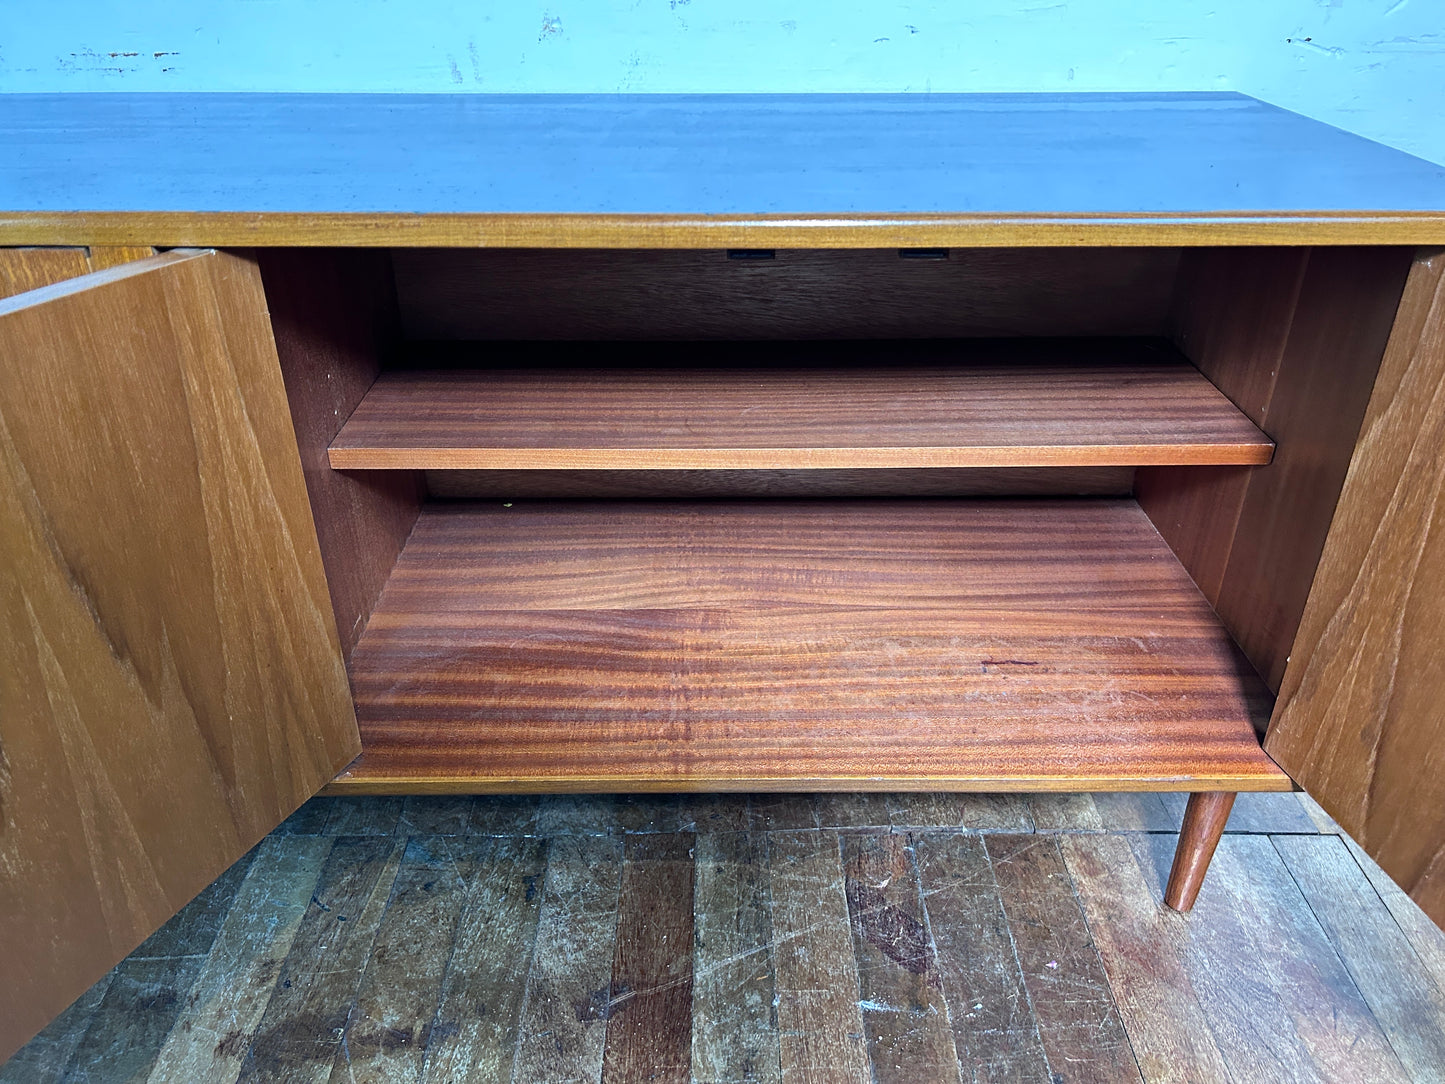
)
(1203, 825)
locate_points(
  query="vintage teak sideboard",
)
(418, 444)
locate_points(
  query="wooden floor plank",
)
(569, 989)
(1138, 942)
(1064, 813)
(1251, 1025)
(130, 1025)
(656, 813)
(310, 818)
(994, 1033)
(577, 814)
(506, 815)
(1275, 814)
(217, 1020)
(1149, 812)
(1301, 961)
(820, 1027)
(45, 1058)
(1078, 1023)
(436, 815)
(852, 809)
(299, 1035)
(734, 1023)
(782, 812)
(1163, 812)
(366, 815)
(1280, 1003)
(390, 1024)
(1323, 822)
(709, 813)
(193, 929)
(905, 1017)
(1330, 1015)
(475, 1036)
(649, 1018)
(1399, 990)
(1426, 938)
(150, 988)
(964, 403)
(973, 812)
(944, 645)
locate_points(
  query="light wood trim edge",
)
(345, 783)
(1104, 455)
(482, 230)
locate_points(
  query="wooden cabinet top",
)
(698, 171)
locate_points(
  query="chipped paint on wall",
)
(1376, 67)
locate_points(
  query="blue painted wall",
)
(1376, 67)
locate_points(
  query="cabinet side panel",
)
(171, 686)
(1232, 314)
(1360, 721)
(333, 313)
(1342, 320)
(1294, 337)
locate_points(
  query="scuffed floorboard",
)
(771, 939)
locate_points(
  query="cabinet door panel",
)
(23, 269)
(1360, 721)
(171, 683)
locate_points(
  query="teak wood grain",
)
(968, 645)
(953, 405)
(171, 686)
(1360, 721)
(23, 269)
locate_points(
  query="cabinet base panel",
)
(1019, 645)
(360, 779)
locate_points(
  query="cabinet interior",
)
(870, 519)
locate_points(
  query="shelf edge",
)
(1100, 455)
(641, 784)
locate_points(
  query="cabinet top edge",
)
(687, 170)
(573, 231)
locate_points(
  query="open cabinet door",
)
(1360, 721)
(171, 684)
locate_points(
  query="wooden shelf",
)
(1034, 403)
(964, 645)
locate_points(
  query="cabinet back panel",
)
(795, 294)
